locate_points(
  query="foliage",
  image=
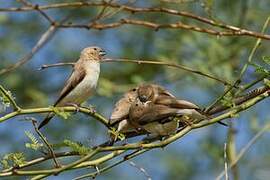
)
(77, 147)
(34, 144)
(13, 160)
(218, 55)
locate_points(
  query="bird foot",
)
(74, 105)
(91, 108)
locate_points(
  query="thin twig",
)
(247, 86)
(10, 98)
(40, 160)
(44, 66)
(45, 37)
(238, 80)
(217, 100)
(36, 7)
(87, 111)
(153, 62)
(127, 157)
(132, 9)
(44, 139)
(157, 62)
(141, 169)
(252, 53)
(231, 149)
(239, 100)
(157, 26)
(225, 162)
(117, 150)
(83, 159)
(246, 148)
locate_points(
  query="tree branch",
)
(45, 37)
(10, 98)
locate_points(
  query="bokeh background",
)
(199, 154)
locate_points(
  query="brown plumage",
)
(82, 81)
(159, 119)
(152, 108)
(121, 108)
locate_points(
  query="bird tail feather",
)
(46, 120)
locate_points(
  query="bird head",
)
(145, 93)
(92, 53)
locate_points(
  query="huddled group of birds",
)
(151, 109)
(148, 108)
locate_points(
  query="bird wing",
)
(162, 91)
(156, 113)
(121, 108)
(175, 103)
(75, 78)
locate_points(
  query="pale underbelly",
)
(79, 94)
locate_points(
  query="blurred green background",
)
(198, 155)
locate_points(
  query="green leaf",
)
(4, 100)
(13, 160)
(228, 100)
(77, 147)
(35, 144)
(266, 59)
(266, 82)
(60, 112)
(260, 69)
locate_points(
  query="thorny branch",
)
(94, 24)
(41, 42)
(153, 62)
(44, 139)
(257, 95)
(233, 31)
(241, 102)
(264, 129)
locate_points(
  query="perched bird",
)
(159, 95)
(120, 113)
(121, 108)
(151, 108)
(151, 92)
(160, 119)
(82, 81)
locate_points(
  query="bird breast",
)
(87, 86)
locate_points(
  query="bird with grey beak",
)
(82, 82)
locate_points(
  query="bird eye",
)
(134, 89)
(95, 49)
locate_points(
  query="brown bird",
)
(121, 108)
(159, 95)
(151, 92)
(120, 113)
(154, 113)
(82, 81)
(159, 119)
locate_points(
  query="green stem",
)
(95, 115)
(10, 98)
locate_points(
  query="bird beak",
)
(143, 98)
(102, 53)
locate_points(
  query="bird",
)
(120, 113)
(150, 108)
(159, 119)
(150, 92)
(82, 82)
(122, 106)
(159, 95)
